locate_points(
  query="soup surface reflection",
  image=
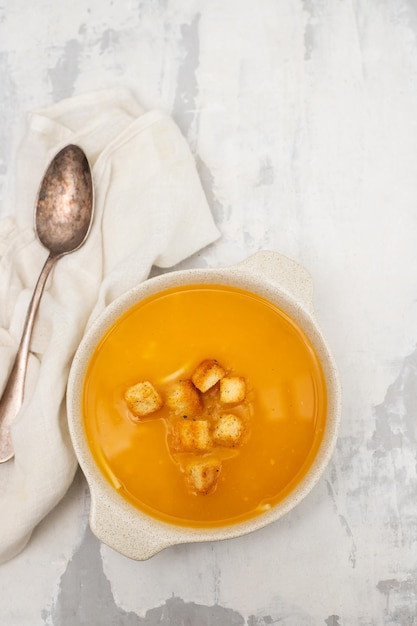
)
(164, 337)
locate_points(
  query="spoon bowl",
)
(65, 200)
(63, 218)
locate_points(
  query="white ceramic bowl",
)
(112, 519)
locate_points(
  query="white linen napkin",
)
(150, 209)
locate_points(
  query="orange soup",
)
(164, 337)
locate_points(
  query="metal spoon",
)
(63, 216)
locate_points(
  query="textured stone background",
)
(302, 115)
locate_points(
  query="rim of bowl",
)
(170, 533)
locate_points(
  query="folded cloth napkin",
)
(150, 209)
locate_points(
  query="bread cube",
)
(232, 389)
(143, 399)
(228, 430)
(207, 374)
(192, 436)
(184, 399)
(202, 475)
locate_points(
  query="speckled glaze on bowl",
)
(127, 529)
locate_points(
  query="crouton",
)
(184, 399)
(143, 399)
(207, 374)
(228, 430)
(192, 436)
(202, 475)
(232, 389)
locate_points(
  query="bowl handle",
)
(117, 527)
(280, 271)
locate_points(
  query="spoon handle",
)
(12, 397)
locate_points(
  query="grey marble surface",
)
(302, 118)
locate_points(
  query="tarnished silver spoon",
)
(63, 216)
